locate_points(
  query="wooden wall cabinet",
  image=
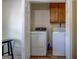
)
(57, 12)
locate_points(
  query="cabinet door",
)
(54, 13)
(57, 12)
(61, 12)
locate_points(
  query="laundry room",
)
(47, 29)
(39, 29)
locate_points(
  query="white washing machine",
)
(39, 43)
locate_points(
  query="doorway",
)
(40, 17)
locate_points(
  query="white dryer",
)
(58, 40)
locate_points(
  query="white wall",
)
(40, 16)
(12, 19)
(13, 25)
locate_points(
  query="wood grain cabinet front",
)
(57, 12)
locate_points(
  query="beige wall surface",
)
(74, 29)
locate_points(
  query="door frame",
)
(68, 40)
